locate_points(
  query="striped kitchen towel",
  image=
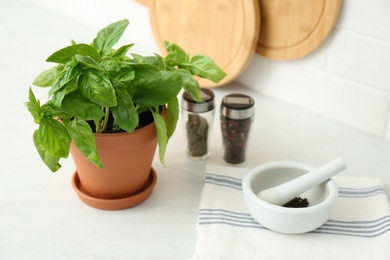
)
(359, 226)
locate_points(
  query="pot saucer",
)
(114, 204)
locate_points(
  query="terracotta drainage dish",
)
(115, 204)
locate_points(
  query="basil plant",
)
(95, 88)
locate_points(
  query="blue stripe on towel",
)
(221, 216)
(222, 180)
(367, 229)
(360, 193)
(372, 228)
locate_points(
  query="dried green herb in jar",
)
(197, 135)
(197, 121)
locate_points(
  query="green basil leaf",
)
(125, 114)
(97, 88)
(54, 137)
(59, 95)
(66, 54)
(84, 139)
(161, 130)
(121, 52)
(87, 61)
(137, 58)
(126, 72)
(53, 111)
(111, 67)
(118, 70)
(175, 53)
(50, 160)
(109, 36)
(190, 85)
(129, 86)
(68, 74)
(46, 78)
(156, 61)
(77, 105)
(158, 91)
(34, 107)
(145, 71)
(204, 67)
(172, 116)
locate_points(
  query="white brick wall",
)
(346, 79)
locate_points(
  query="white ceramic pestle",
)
(283, 193)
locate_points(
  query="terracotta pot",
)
(126, 160)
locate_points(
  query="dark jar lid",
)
(238, 106)
(189, 104)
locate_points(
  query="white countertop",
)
(42, 218)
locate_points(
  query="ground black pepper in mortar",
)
(297, 202)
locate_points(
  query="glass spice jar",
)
(237, 115)
(197, 118)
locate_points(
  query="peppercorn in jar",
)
(237, 114)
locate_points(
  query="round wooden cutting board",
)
(291, 29)
(225, 30)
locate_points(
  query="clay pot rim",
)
(137, 131)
